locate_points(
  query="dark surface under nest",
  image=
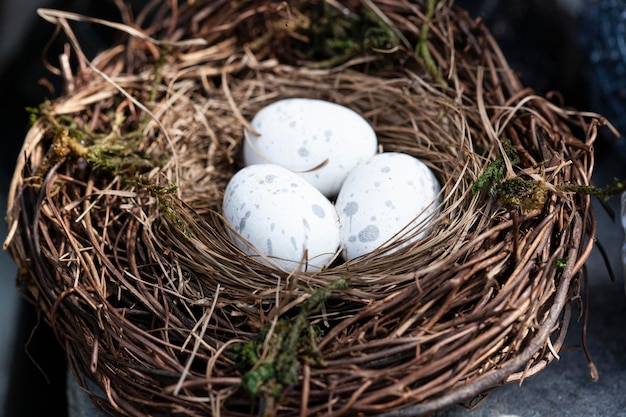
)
(115, 226)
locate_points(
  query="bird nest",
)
(115, 223)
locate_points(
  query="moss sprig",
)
(526, 194)
(561, 263)
(496, 170)
(603, 193)
(119, 159)
(165, 196)
(63, 146)
(337, 37)
(272, 364)
(421, 49)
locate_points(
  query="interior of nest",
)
(446, 289)
(407, 118)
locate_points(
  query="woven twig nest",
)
(116, 228)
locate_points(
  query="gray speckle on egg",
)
(293, 243)
(303, 152)
(352, 239)
(351, 208)
(385, 169)
(242, 222)
(318, 211)
(270, 178)
(305, 223)
(369, 234)
(269, 247)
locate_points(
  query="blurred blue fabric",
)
(603, 38)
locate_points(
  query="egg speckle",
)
(292, 226)
(318, 211)
(290, 135)
(351, 208)
(385, 199)
(369, 234)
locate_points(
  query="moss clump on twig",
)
(522, 193)
(496, 170)
(603, 193)
(164, 196)
(63, 145)
(339, 36)
(561, 263)
(272, 362)
(119, 159)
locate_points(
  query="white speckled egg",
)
(385, 199)
(303, 134)
(289, 222)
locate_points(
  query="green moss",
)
(337, 37)
(618, 187)
(293, 340)
(63, 146)
(421, 49)
(561, 262)
(165, 196)
(521, 193)
(119, 159)
(496, 169)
